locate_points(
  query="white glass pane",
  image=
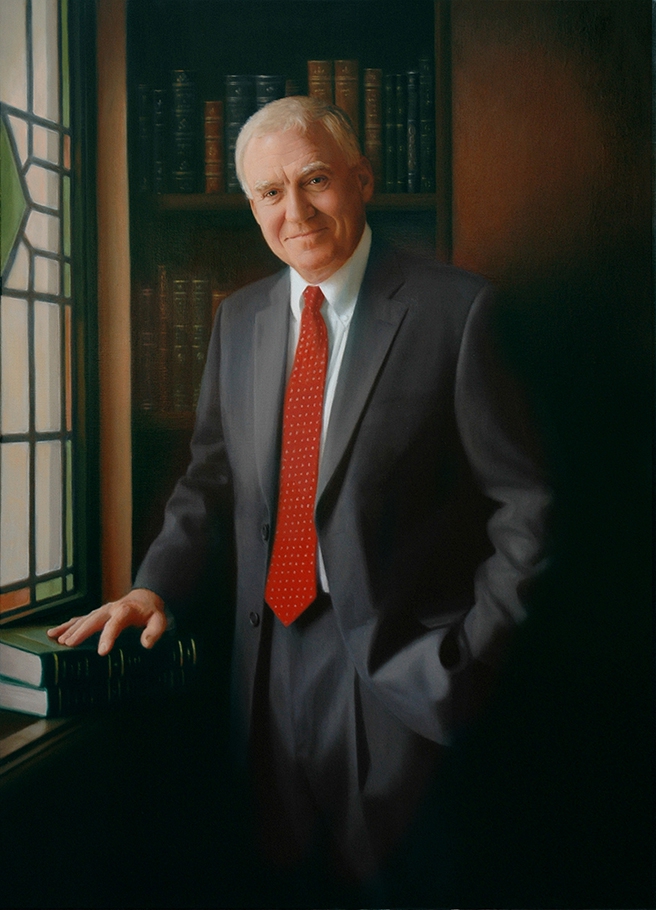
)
(47, 367)
(45, 144)
(14, 366)
(14, 512)
(20, 270)
(48, 503)
(45, 51)
(46, 275)
(19, 129)
(43, 231)
(43, 185)
(13, 56)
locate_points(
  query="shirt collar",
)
(342, 288)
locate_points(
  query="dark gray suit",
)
(430, 514)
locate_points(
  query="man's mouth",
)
(305, 234)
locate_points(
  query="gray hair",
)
(297, 112)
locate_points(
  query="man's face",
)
(308, 202)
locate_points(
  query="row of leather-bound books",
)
(172, 319)
(186, 143)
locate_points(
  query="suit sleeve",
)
(497, 432)
(436, 682)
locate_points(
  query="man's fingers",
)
(123, 613)
(80, 628)
(138, 608)
(155, 628)
(56, 631)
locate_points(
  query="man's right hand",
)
(141, 608)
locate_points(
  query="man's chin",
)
(315, 266)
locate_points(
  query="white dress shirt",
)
(341, 292)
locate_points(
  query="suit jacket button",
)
(266, 529)
(254, 619)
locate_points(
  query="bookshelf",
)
(196, 243)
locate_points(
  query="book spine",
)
(184, 157)
(268, 88)
(82, 669)
(347, 92)
(74, 667)
(389, 126)
(239, 105)
(401, 134)
(213, 130)
(144, 138)
(159, 140)
(412, 120)
(320, 80)
(146, 360)
(162, 340)
(373, 123)
(426, 126)
(180, 349)
(76, 699)
(200, 321)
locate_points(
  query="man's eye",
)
(316, 181)
(271, 194)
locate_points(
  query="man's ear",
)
(366, 179)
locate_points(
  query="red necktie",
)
(292, 580)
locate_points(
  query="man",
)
(381, 564)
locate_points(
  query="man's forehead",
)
(284, 148)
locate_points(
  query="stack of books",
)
(41, 677)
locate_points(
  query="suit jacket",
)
(431, 505)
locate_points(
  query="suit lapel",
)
(376, 320)
(270, 360)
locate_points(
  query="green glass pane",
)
(49, 588)
(66, 110)
(70, 582)
(14, 203)
(67, 279)
(66, 213)
(69, 504)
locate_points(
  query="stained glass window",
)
(39, 443)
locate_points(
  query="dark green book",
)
(27, 655)
(77, 696)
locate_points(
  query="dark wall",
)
(550, 799)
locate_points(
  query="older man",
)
(357, 432)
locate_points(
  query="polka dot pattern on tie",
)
(292, 580)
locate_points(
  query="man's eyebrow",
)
(264, 185)
(313, 167)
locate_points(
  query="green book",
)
(77, 696)
(28, 656)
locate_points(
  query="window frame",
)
(84, 330)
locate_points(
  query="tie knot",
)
(313, 297)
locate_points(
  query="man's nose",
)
(299, 207)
